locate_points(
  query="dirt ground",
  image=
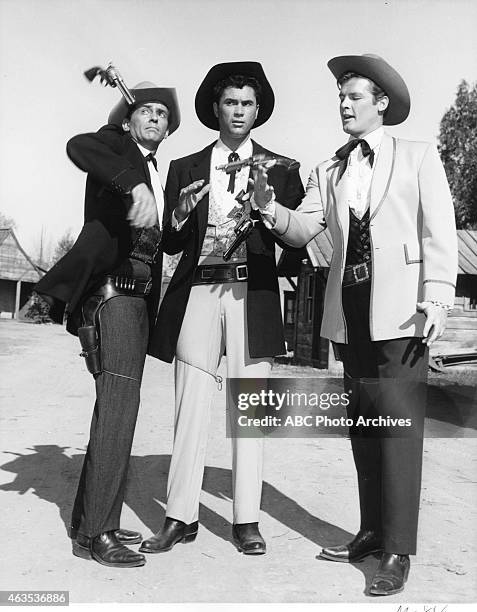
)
(309, 495)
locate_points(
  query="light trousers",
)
(215, 321)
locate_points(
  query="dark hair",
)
(376, 90)
(238, 81)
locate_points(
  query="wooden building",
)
(18, 275)
(307, 270)
(461, 331)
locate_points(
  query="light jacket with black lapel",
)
(114, 165)
(264, 318)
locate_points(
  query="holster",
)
(89, 343)
(88, 335)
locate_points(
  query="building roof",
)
(467, 242)
(320, 250)
(15, 264)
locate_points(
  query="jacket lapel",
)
(382, 174)
(200, 169)
(137, 159)
(339, 192)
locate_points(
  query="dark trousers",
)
(388, 379)
(124, 334)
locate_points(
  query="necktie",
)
(233, 157)
(151, 158)
(343, 153)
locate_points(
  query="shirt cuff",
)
(446, 307)
(268, 212)
(175, 223)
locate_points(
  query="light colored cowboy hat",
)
(378, 70)
(204, 98)
(149, 92)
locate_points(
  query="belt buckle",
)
(206, 273)
(147, 288)
(357, 276)
(241, 272)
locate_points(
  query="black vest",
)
(359, 243)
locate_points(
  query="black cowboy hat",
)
(204, 98)
(378, 70)
(148, 92)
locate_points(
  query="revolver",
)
(243, 227)
(258, 160)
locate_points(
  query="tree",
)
(458, 150)
(6, 222)
(63, 245)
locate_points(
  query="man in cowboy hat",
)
(211, 307)
(110, 282)
(387, 205)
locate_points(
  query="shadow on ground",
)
(53, 476)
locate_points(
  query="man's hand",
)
(143, 211)
(262, 191)
(189, 197)
(435, 323)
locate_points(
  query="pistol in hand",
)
(257, 160)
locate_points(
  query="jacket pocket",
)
(412, 254)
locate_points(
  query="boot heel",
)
(406, 573)
(190, 537)
(81, 551)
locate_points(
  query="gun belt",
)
(123, 285)
(223, 273)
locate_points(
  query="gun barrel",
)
(242, 233)
(257, 160)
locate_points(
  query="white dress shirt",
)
(219, 180)
(359, 173)
(156, 185)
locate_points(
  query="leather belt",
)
(123, 285)
(223, 273)
(356, 274)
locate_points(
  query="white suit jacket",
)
(412, 230)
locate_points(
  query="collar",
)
(373, 138)
(145, 152)
(245, 149)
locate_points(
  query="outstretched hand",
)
(189, 197)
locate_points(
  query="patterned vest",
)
(220, 233)
(359, 242)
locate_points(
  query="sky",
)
(46, 45)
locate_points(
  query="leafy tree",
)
(63, 245)
(38, 310)
(6, 221)
(458, 150)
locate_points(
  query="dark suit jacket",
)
(114, 165)
(265, 327)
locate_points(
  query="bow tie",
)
(343, 153)
(233, 157)
(152, 159)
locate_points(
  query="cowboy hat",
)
(148, 92)
(204, 98)
(378, 70)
